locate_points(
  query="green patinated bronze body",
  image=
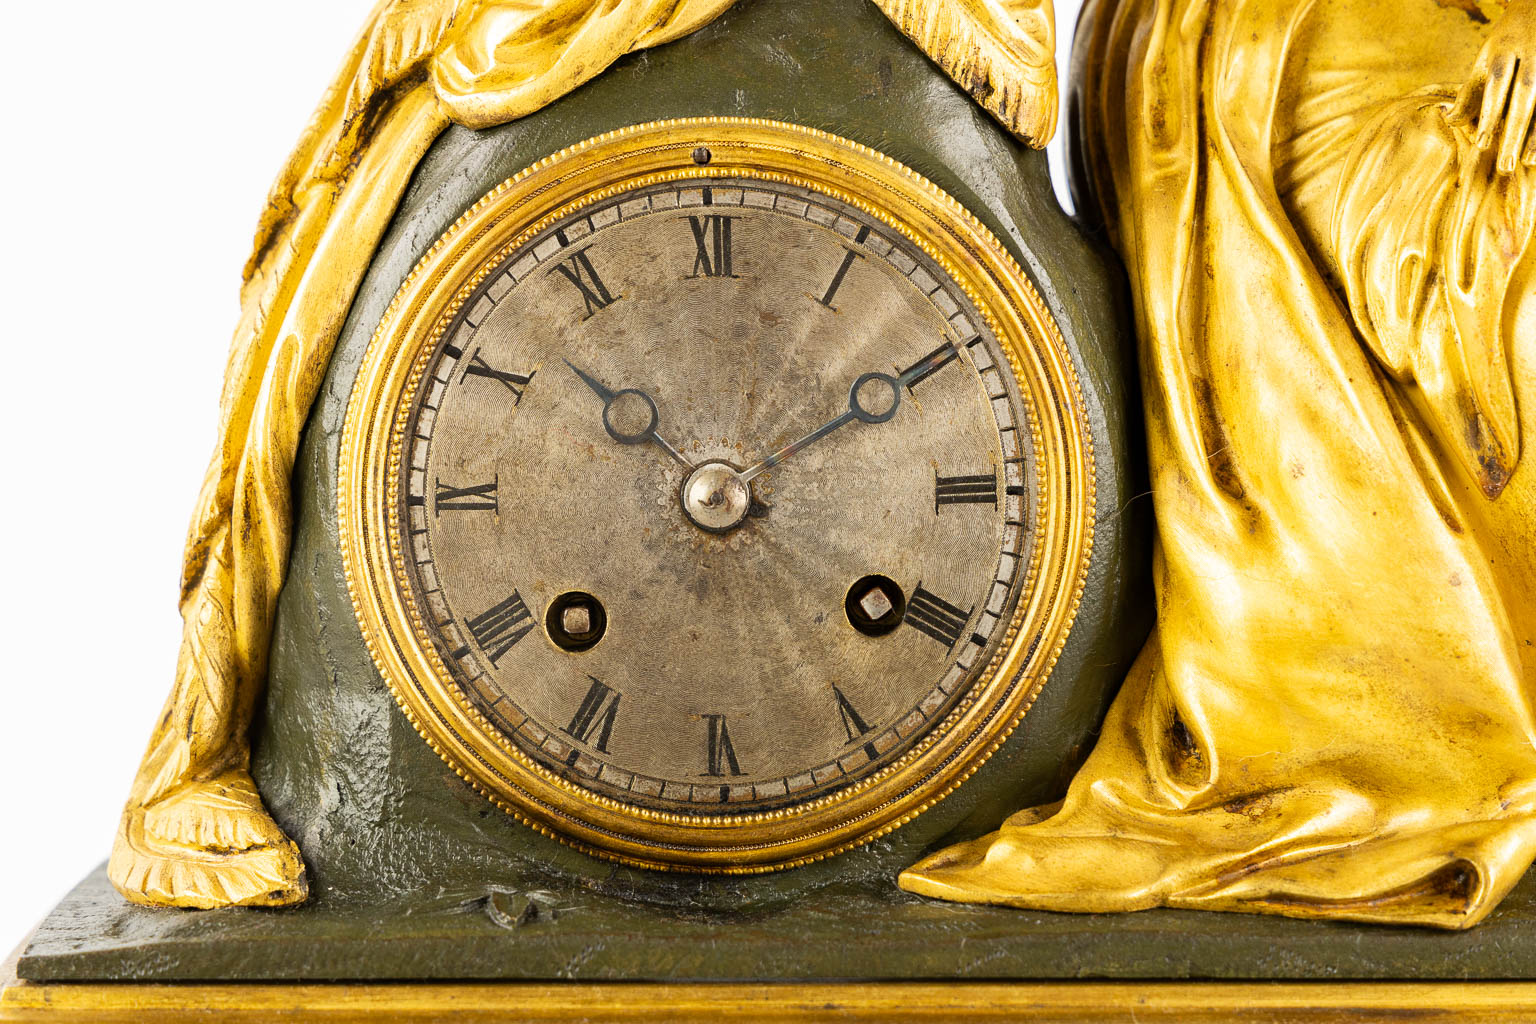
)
(374, 810)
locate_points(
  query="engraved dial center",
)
(716, 497)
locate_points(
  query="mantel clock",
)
(694, 428)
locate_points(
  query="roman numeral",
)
(964, 490)
(478, 367)
(853, 724)
(578, 270)
(598, 710)
(498, 630)
(935, 617)
(722, 755)
(842, 270)
(712, 246)
(929, 365)
(477, 498)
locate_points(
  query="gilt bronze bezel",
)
(481, 241)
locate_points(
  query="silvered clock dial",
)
(716, 495)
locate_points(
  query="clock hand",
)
(886, 401)
(629, 396)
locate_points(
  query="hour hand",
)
(630, 415)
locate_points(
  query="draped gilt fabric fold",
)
(1334, 290)
(1003, 52)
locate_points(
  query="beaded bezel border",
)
(595, 170)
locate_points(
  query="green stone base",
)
(871, 933)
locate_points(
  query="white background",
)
(140, 141)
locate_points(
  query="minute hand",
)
(857, 410)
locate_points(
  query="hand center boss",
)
(717, 496)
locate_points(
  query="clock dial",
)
(713, 495)
(620, 411)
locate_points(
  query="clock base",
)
(96, 945)
(470, 1003)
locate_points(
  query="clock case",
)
(347, 776)
(413, 874)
